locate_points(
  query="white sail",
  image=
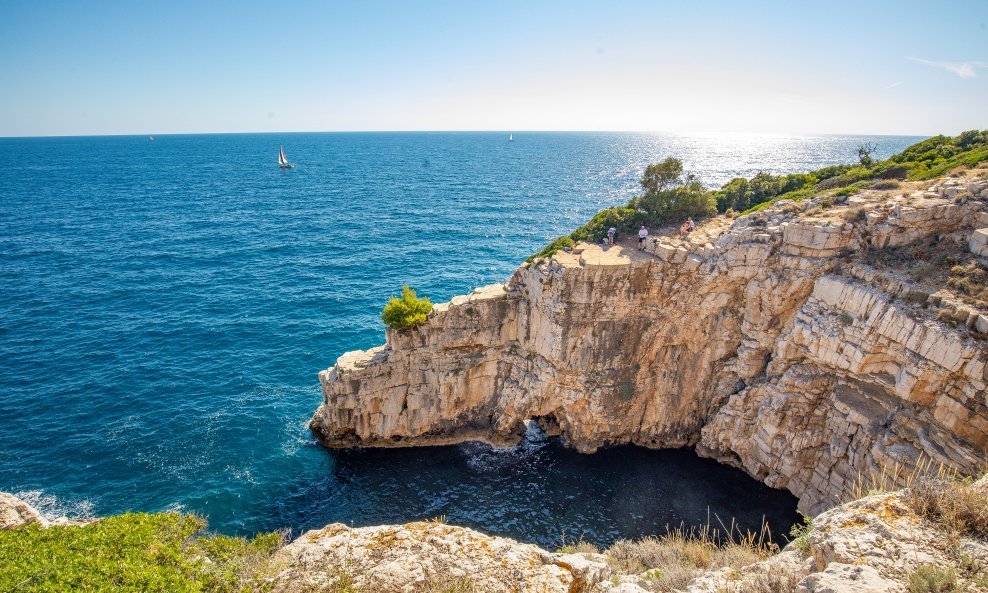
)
(511, 137)
(281, 156)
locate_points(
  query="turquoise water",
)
(165, 307)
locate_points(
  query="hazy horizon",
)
(116, 68)
(515, 132)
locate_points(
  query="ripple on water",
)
(165, 308)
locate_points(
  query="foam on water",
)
(52, 507)
(165, 307)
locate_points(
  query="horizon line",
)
(488, 131)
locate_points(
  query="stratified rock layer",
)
(758, 341)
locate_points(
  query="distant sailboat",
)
(511, 137)
(282, 160)
(151, 138)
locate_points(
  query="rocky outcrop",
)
(872, 545)
(760, 341)
(417, 556)
(15, 513)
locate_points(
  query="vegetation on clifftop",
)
(668, 195)
(671, 196)
(131, 552)
(930, 158)
(406, 312)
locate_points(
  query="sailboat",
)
(511, 137)
(283, 160)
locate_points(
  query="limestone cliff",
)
(768, 341)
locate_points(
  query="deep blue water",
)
(165, 307)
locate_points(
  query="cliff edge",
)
(800, 342)
(932, 533)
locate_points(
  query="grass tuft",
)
(958, 506)
(934, 579)
(669, 562)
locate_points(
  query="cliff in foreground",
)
(932, 533)
(810, 343)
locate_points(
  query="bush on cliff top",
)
(407, 312)
(668, 196)
(930, 158)
(131, 552)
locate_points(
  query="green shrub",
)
(891, 172)
(624, 218)
(801, 535)
(131, 552)
(661, 176)
(743, 194)
(407, 312)
(677, 203)
(934, 579)
(558, 243)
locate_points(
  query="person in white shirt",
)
(642, 234)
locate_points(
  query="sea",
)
(166, 304)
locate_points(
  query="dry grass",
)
(857, 214)
(670, 562)
(958, 506)
(936, 265)
(934, 579)
(776, 579)
(445, 582)
(578, 547)
(970, 281)
(896, 477)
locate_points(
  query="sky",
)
(687, 67)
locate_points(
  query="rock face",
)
(14, 512)
(411, 557)
(760, 341)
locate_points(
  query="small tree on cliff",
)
(406, 312)
(661, 176)
(669, 196)
(864, 154)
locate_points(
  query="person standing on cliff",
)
(610, 235)
(642, 234)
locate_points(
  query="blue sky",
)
(684, 67)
